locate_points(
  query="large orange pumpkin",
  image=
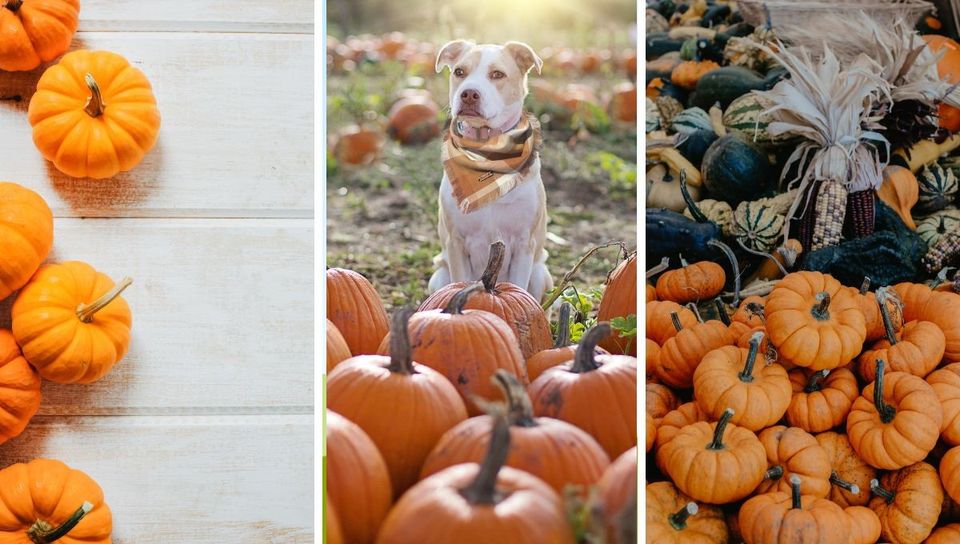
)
(35, 31)
(355, 308)
(948, 68)
(72, 323)
(26, 235)
(337, 349)
(46, 501)
(94, 115)
(620, 300)
(19, 389)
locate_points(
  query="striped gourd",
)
(933, 227)
(717, 211)
(938, 188)
(691, 120)
(757, 225)
(745, 114)
(653, 116)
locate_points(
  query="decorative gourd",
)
(681, 354)
(716, 211)
(735, 169)
(690, 120)
(673, 517)
(726, 84)
(466, 346)
(35, 31)
(901, 191)
(728, 377)
(617, 490)
(472, 503)
(850, 476)
(747, 115)
(660, 400)
(337, 349)
(938, 188)
(688, 73)
(503, 299)
(355, 308)
(726, 462)
(357, 145)
(19, 389)
(757, 226)
(619, 299)
(596, 393)
(562, 350)
(358, 480)
(652, 115)
(932, 228)
(555, 451)
(792, 517)
(659, 323)
(46, 501)
(950, 472)
(94, 115)
(821, 399)
(71, 322)
(414, 120)
(907, 502)
(26, 235)
(916, 349)
(663, 189)
(670, 424)
(814, 322)
(691, 283)
(905, 411)
(403, 406)
(694, 146)
(945, 382)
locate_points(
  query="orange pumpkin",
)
(651, 293)
(94, 115)
(596, 393)
(669, 425)
(337, 349)
(688, 73)
(681, 355)
(479, 504)
(914, 297)
(357, 145)
(623, 103)
(946, 384)
(947, 534)
(72, 323)
(750, 312)
(948, 67)
(864, 525)
(26, 234)
(672, 517)
(950, 472)
(403, 406)
(331, 524)
(908, 502)
(46, 501)
(791, 451)
(652, 356)
(850, 476)
(916, 349)
(619, 299)
(822, 399)
(355, 308)
(692, 283)
(414, 120)
(358, 481)
(942, 309)
(651, 431)
(617, 490)
(792, 517)
(659, 323)
(505, 300)
(35, 31)
(562, 350)
(871, 310)
(660, 400)
(19, 389)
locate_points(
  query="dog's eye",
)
(458, 72)
(497, 74)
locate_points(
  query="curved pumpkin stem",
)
(563, 326)
(773, 473)
(722, 311)
(483, 489)
(695, 210)
(494, 263)
(733, 263)
(882, 297)
(42, 532)
(717, 442)
(746, 375)
(518, 402)
(678, 520)
(887, 412)
(660, 267)
(676, 321)
(836, 480)
(815, 381)
(879, 491)
(14, 5)
(459, 300)
(821, 310)
(585, 358)
(795, 499)
(401, 358)
(95, 105)
(85, 312)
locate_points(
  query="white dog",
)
(488, 84)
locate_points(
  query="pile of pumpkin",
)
(465, 419)
(818, 413)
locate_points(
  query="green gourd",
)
(691, 120)
(746, 115)
(726, 84)
(938, 188)
(758, 226)
(735, 169)
(933, 227)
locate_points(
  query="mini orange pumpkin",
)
(26, 234)
(687, 413)
(871, 310)
(681, 354)
(942, 309)
(916, 349)
(791, 451)
(688, 73)
(914, 297)
(850, 475)
(46, 501)
(19, 389)
(946, 384)
(908, 502)
(355, 308)
(672, 517)
(94, 115)
(659, 324)
(72, 323)
(651, 431)
(792, 517)
(35, 31)
(865, 526)
(950, 472)
(692, 283)
(652, 356)
(822, 399)
(660, 400)
(946, 534)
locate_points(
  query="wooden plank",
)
(292, 16)
(236, 139)
(222, 310)
(201, 480)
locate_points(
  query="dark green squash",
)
(694, 145)
(728, 83)
(660, 43)
(735, 169)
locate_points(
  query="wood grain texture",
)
(291, 16)
(236, 136)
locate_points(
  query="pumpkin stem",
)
(882, 297)
(459, 300)
(563, 326)
(94, 106)
(878, 490)
(518, 402)
(663, 265)
(865, 286)
(14, 5)
(494, 262)
(695, 210)
(886, 411)
(795, 492)
(42, 532)
(717, 442)
(585, 358)
(746, 375)
(722, 311)
(85, 312)
(836, 480)
(696, 311)
(676, 321)
(773, 473)
(733, 264)
(483, 489)
(821, 310)
(815, 381)
(401, 358)
(679, 520)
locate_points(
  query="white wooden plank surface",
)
(294, 16)
(188, 480)
(235, 136)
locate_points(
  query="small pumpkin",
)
(660, 400)
(94, 115)
(414, 120)
(908, 502)
(901, 191)
(46, 501)
(659, 323)
(652, 356)
(941, 309)
(865, 526)
(619, 299)
(681, 354)
(791, 451)
(651, 429)
(876, 329)
(946, 534)
(355, 145)
(950, 472)
(355, 308)
(937, 187)
(917, 349)
(26, 235)
(793, 517)
(337, 349)
(35, 31)
(691, 283)
(913, 296)
(945, 382)
(19, 389)
(71, 322)
(688, 73)
(821, 399)
(670, 424)
(932, 228)
(673, 517)
(850, 476)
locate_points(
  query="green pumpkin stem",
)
(563, 326)
(722, 311)
(733, 264)
(401, 357)
(42, 532)
(885, 316)
(773, 473)
(85, 312)
(746, 375)
(795, 498)
(95, 105)
(483, 489)
(878, 490)
(459, 300)
(836, 480)
(678, 520)
(717, 442)
(821, 310)
(14, 5)
(494, 263)
(815, 381)
(518, 402)
(887, 412)
(676, 321)
(584, 360)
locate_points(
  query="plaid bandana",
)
(483, 171)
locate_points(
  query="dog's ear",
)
(450, 52)
(524, 55)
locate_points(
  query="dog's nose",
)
(470, 97)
